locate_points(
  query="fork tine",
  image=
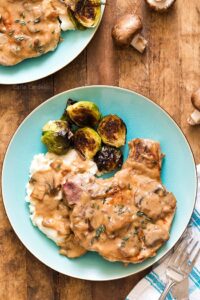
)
(184, 266)
(193, 247)
(180, 252)
(175, 253)
(193, 261)
(183, 259)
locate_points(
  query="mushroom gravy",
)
(124, 218)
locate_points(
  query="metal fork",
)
(181, 263)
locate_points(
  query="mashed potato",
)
(42, 162)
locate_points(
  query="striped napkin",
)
(152, 285)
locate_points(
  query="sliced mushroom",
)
(194, 118)
(126, 32)
(155, 234)
(71, 247)
(160, 5)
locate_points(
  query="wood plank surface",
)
(167, 72)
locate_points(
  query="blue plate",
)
(74, 42)
(144, 119)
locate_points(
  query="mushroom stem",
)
(194, 118)
(139, 43)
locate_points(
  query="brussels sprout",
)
(75, 22)
(112, 131)
(84, 113)
(64, 115)
(108, 159)
(56, 136)
(87, 142)
(88, 12)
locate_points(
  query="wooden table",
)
(167, 73)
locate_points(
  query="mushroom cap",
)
(195, 99)
(126, 28)
(160, 5)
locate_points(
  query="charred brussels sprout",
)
(108, 159)
(84, 113)
(112, 130)
(87, 142)
(64, 116)
(87, 12)
(73, 19)
(56, 136)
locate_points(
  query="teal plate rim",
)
(156, 260)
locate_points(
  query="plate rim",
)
(59, 68)
(115, 277)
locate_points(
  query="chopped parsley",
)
(126, 238)
(19, 38)
(140, 214)
(100, 230)
(120, 209)
(37, 20)
(23, 23)
(11, 33)
(94, 205)
(38, 47)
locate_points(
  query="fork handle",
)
(167, 289)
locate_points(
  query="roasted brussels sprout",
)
(108, 159)
(87, 12)
(87, 142)
(84, 113)
(112, 131)
(64, 115)
(74, 20)
(56, 136)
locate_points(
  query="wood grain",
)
(167, 72)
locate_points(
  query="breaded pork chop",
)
(128, 217)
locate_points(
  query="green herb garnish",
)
(140, 214)
(19, 38)
(11, 33)
(100, 230)
(23, 23)
(126, 238)
(37, 20)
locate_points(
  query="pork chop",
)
(128, 217)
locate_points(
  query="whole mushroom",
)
(160, 5)
(194, 118)
(126, 32)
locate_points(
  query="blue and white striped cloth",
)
(152, 285)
